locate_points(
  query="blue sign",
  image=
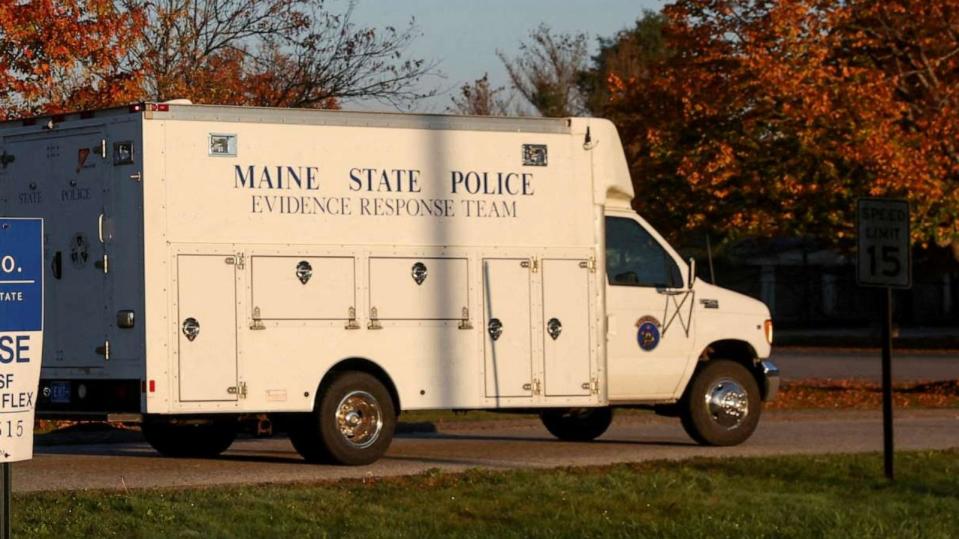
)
(21, 274)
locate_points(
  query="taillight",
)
(768, 330)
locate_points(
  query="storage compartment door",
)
(207, 327)
(566, 327)
(506, 295)
(419, 288)
(303, 288)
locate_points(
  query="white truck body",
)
(296, 240)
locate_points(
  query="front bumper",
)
(770, 373)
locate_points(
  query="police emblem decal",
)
(647, 333)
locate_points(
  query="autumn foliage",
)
(65, 54)
(754, 117)
(58, 55)
(863, 395)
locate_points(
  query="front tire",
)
(181, 439)
(353, 422)
(722, 405)
(577, 424)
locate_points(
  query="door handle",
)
(554, 327)
(191, 328)
(56, 265)
(671, 291)
(495, 328)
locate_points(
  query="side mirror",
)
(692, 272)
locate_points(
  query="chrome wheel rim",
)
(359, 419)
(727, 403)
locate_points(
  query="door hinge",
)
(238, 390)
(532, 264)
(104, 350)
(374, 320)
(465, 322)
(103, 264)
(257, 323)
(594, 385)
(537, 386)
(589, 264)
(240, 261)
(351, 322)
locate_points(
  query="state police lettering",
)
(277, 177)
(473, 193)
(392, 180)
(503, 183)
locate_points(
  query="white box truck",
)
(332, 269)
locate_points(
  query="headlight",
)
(768, 330)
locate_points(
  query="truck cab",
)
(676, 342)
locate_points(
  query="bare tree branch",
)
(547, 70)
(286, 52)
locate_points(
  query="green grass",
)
(832, 496)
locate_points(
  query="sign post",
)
(21, 345)
(884, 260)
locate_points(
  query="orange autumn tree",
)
(75, 54)
(772, 117)
(57, 55)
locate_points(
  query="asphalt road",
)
(494, 445)
(907, 365)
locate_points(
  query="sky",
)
(464, 35)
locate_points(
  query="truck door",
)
(508, 343)
(650, 328)
(64, 178)
(206, 298)
(566, 343)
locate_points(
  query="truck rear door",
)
(62, 176)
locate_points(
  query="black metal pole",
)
(5, 519)
(887, 438)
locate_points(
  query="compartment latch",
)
(374, 320)
(351, 322)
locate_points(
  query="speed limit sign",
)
(884, 257)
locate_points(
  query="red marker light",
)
(153, 386)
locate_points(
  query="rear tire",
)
(353, 422)
(180, 440)
(722, 405)
(577, 424)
